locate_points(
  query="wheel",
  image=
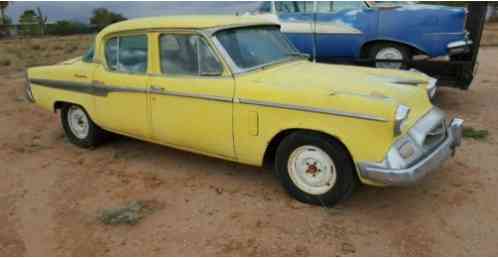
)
(315, 169)
(79, 127)
(390, 51)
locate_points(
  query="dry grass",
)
(18, 54)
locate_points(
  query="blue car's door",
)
(342, 27)
(296, 19)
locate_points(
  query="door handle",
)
(156, 89)
(98, 83)
(81, 76)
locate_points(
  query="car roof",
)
(184, 22)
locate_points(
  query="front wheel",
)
(79, 127)
(315, 169)
(389, 51)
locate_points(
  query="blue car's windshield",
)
(251, 47)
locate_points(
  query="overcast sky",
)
(81, 11)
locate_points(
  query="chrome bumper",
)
(459, 47)
(394, 177)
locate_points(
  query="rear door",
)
(121, 85)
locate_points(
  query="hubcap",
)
(78, 122)
(389, 54)
(312, 170)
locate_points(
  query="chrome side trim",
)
(194, 96)
(313, 110)
(104, 90)
(87, 88)
(64, 85)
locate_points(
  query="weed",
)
(469, 132)
(131, 214)
(5, 62)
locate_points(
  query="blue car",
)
(335, 30)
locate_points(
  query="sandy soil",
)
(51, 193)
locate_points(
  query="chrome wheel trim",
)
(389, 53)
(78, 122)
(312, 170)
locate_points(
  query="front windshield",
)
(251, 47)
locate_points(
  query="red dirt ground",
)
(52, 191)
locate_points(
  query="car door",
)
(341, 27)
(192, 96)
(120, 85)
(296, 20)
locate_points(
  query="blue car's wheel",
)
(390, 51)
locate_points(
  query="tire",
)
(79, 127)
(388, 51)
(336, 181)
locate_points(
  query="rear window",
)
(127, 54)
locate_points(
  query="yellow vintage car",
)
(235, 88)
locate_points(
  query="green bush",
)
(63, 28)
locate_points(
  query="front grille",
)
(435, 136)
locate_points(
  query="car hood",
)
(347, 88)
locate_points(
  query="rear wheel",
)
(79, 127)
(390, 51)
(315, 169)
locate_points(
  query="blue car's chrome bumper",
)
(459, 47)
(392, 177)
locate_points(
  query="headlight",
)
(432, 88)
(400, 116)
(403, 153)
(410, 147)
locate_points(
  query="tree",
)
(103, 17)
(29, 23)
(3, 7)
(65, 27)
(42, 20)
(4, 20)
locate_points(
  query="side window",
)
(111, 53)
(265, 7)
(324, 6)
(127, 54)
(344, 5)
(187, 55)
(294, 6)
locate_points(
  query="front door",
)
(121, 86)
(191, 96)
